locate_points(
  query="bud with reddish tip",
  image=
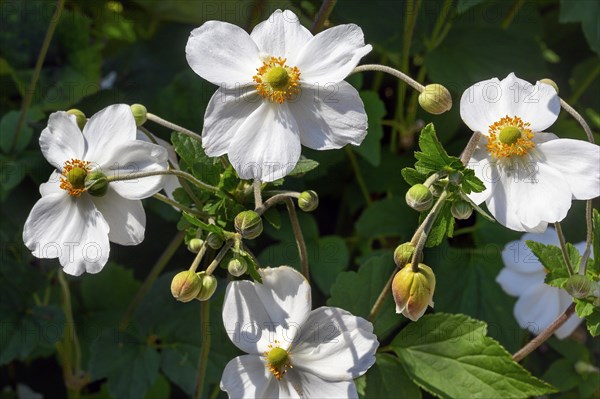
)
(413, 291)
(185, 286)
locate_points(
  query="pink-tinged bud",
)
(185, 286)
(413, 292)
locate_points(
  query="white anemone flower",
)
(293, 352)
(531, 177)
(68, 222)
(539, 304)
(280, 87)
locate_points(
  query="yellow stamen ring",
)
(510, 136)
(276, 81)
(73, 176)
(278, 360)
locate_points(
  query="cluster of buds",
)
(413, 290)
(188, 285)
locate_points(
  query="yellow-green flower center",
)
(276, 81)
(509, 135)
(278, 360)
(277, 77)
(277, 357)
(76, 177)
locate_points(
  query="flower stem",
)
(423, 231)
(359, 179)
(512, 13)
(544, 335)
(70, 339)
(276, 199)
(36, 71)
(299, 237)
(176, 172)
(258, 202)
(172, 126)
(198, 257)
(381, 298)
(176, 204)
(213, 265)
(152, 276)
(322, 16)
(389, 70)
(205, 348)
(470, 148)
(579, 119)
(563, 248)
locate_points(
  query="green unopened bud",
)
(237, 266)
(248, 224)
(185, 286)
(308, 201)
(96, 184)
(214, 241)
(461, 210)
(413, 292)
(435, 99)
(403, 254)
(419, 197)
(455, 178)
(208, 286)
(582, 368)
(139, 114)
(79, 117)
(195, 244)
(551, 83)
(579, 286)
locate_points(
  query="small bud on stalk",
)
(551, 83)
(308, 201)
(139, 114)
(237, 266)
(461, 210)
(579, 286)
(195, 244)
(435, 99)
(185, 286)
(419, 197)
(208, 286)
(413, 292)
(80, 117)
(403, 254)
(96, 184)
(248, 224)
(214, 241)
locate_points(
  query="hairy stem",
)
(275, 200)
(172, 126)
(205, 348)
(563, 248)
(389, 70)
(258, 202)
(322, 16)
(302, 252)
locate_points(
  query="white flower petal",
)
(135, 157)
(536, 104)
(578, 161)
(567, 329)
(52, 186)
(480, 105)
(281, 35)
(107, 130)
(226, 112)
(308, 385)
(331, 116)
(61, 140)
(538, 307)
(126, 218)
(246, 377)
(223, 54)
(331, 55)
(485, 170)
(526, 198)
(266, 146)
(335, 345)
(516, 284)
(517, 256)
(247, 322)
(68, 228)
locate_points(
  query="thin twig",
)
(176, 172)
(167, 200)
(213, 265)
(394, 72)
(299, 237)
(204, 348)
(322, 16)
(563, 248)
(578, 118)
(359, 179)
(544, 335)
(276, 199)
(172, 126)
(258, 202)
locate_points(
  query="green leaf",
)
(587, 13)
(8, 127)
(591, 314)
(443, 226)
(194, 221)
(550, 256)
(195, 159)
(451, 357)
(432, 157)
(387, 379)
(303, 166)
(596, 242)
(130, 365)
(412, 177)
(370, 279)
(370, 149)
(387, 217)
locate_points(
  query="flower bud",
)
(413, 292)
(403, 254)
(419, 197)
(237, 266)
(79, 117)
(551, 83)
(435, 99)
(461, 210)
(455, 178)
(208, 286)
(96, 184)
(582, 368)
(214, 241)
(185, 286)
(248, 224)
(579, 286)
(195, 244)
(139, 114)
(308, 201)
